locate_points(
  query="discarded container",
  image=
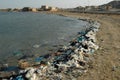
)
(19, 78)
(81, 38)
(68, 52)
(82, 33)
(39, 59)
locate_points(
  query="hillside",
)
(114, 4)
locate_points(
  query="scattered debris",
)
(36, 46)
(68, 62)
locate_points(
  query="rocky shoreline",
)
(68, 63)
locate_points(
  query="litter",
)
(70, 61)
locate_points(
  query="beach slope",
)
(106, 61)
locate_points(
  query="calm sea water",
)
(22, 31)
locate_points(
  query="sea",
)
(28, 34)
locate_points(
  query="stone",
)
(23, 64)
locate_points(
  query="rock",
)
(23, 64)
(57, 53)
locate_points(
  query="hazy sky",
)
(57, 3)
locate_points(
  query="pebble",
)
(23, 64)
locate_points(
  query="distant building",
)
(91, 8)
(53, 9)
(34, 10)
(8, 9)
(26, 9)
(16, 9)
(44, 7)
(48, 8)
(108, 7)
(105, 7)
(79, 7)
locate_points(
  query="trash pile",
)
(68, 63)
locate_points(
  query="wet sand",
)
(106, 61)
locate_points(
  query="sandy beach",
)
(106, 61)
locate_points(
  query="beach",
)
(66, 57)
(20, 33)
(106, 60)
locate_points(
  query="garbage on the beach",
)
(67, 63)
(23, 64)
(19, 78)
(42, 58)
(4, 67)
(36, 46)
(39, 59)
(6, 70)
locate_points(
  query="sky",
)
(55, 3)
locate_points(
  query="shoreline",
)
(30, 49)
(77, 53)
(106, 61)
(103, 62)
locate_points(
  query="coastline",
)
(98, 67)
(106, 60)
(74, 56)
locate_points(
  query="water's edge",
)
(74, 49)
